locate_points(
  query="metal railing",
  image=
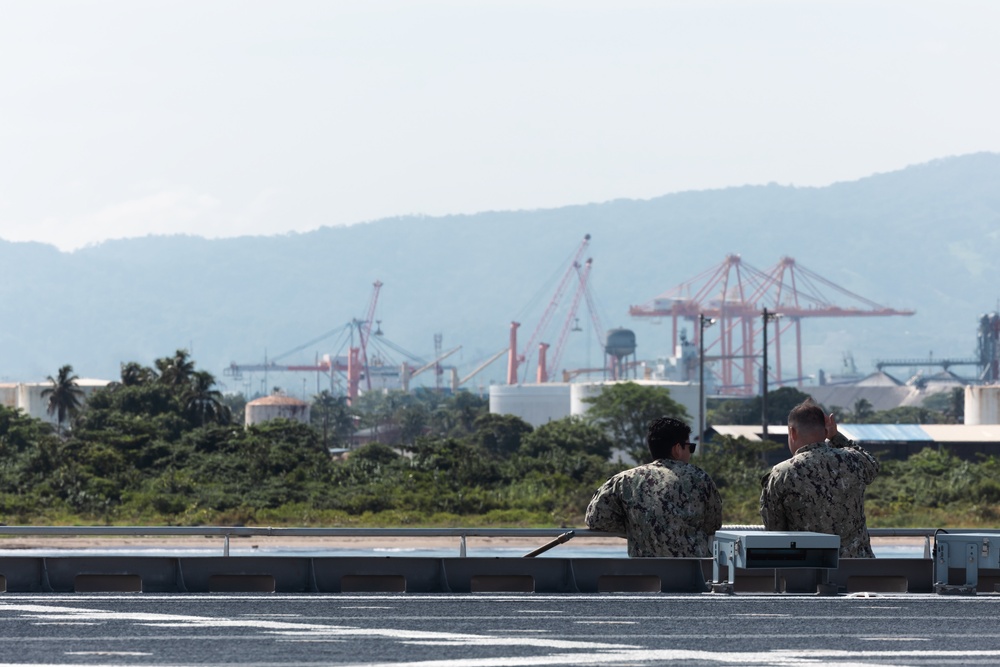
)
(556, 535)
(227, 532)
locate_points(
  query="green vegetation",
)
(624, 411)
(747, 411)
(163, 447)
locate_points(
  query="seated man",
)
(822, 487)
(665, 508)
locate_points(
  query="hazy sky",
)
(125, 118)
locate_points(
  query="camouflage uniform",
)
(822, 489)
(664, 508)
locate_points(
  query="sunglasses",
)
(691, 446)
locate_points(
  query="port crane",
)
(745, 300)
(359, 366)
(364, 332)
(354, 366)
(406, 374)
(572, 323)
(546, 366)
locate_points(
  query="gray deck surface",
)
(486, 630)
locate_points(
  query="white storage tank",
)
(982, 404)
(536, 404)
(27, 396)
(276, 407)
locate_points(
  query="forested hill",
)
(924, 238)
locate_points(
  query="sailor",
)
(821, 488)
(669, 507)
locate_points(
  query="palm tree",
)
(333, 414)
(176, 371)
(135, 374)
(863, 410)
(64, 395)
(203, 402)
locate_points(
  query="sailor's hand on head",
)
(831, 426)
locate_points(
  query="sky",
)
(224, 118)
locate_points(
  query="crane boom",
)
(554, 301)
(444, 356)
(481, 366)
(406, 374)
(580, 289)
(365, 330)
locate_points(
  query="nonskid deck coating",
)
(498, 630)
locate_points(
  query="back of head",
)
(809, 420)
(663, 434)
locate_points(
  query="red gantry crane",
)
(736, 296)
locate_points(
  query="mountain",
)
(922, 238)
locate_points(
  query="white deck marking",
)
(68, 623)
(607, 622)
(368, 607)
(299, 629)
(273, 615)
(116, 653)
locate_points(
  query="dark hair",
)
(663, 434)
(807, 417)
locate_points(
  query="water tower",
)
(619, 345)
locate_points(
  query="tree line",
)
(163, 446)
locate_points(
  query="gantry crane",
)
(354, 366)
(743, 300)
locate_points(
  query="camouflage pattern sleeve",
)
(605, 512)
(869, 464)
(772, 512)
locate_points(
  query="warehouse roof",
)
(875, 433)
